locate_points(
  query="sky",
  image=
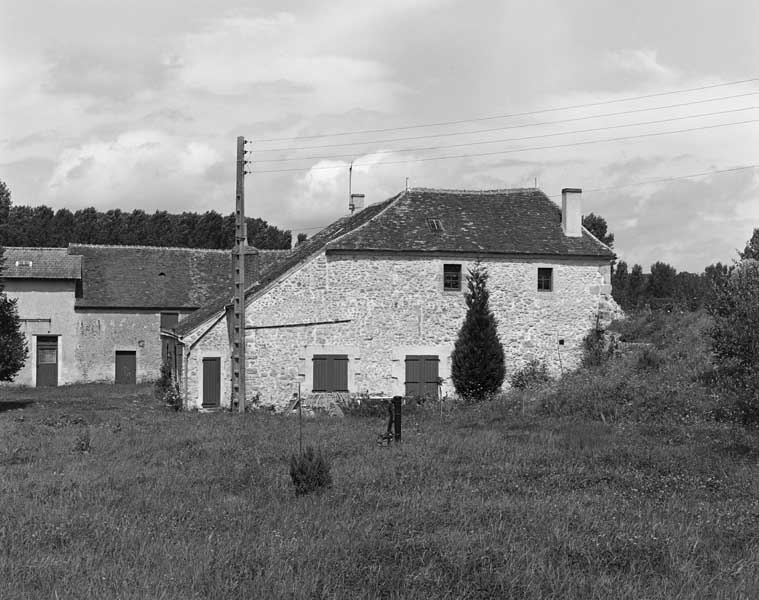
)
(138, 105)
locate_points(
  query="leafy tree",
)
(636, 289)
(478, 364)
(620, 284)
(690, 290)
(13, 350)
(5, 209)
(596, 224)
(302, 237)
(735, 337)
(752, 247)
(662, 281)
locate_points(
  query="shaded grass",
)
(481, 503)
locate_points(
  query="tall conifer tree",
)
(478, 365)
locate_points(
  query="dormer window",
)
(435, 224)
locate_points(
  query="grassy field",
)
(105, 494)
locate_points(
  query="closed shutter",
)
(422, 376)
(211, 381)
(126, 366)
(330, 373)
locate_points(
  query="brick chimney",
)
(571, 212)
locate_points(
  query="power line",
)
(522, 114)
(504, 140)
(614, 187)
(505, 127)
(511, 151)
(663, 179)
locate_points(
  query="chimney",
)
(571, 212)
(356, 202)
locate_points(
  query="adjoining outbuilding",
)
(107, 313)
(373, 302)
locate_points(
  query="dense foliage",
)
(596, 224)
(13, 349)
(478, 365)
(735, 338)
(40, 226)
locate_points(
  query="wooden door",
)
(126, 366)
(47, 360)
(330, 373)
(211, 381)
(422, 376)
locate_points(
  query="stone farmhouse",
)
(97, 313)
(373, 303)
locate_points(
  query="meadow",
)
(107, 494)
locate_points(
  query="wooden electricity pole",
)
(238, 325)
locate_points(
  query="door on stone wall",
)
(330, 373)
(126, 366)
(422, 376)
(211, 381)
(47, 360)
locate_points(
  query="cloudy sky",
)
(138, 104)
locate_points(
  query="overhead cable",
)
(510, 115)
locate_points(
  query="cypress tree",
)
(478, 365)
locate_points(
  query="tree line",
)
(664, 287)
(40, 226)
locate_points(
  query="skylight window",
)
(435, 224)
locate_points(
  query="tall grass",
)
(482, 502)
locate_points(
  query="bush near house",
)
(661, 372)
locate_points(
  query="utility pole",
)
(238, 325)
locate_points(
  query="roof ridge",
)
(50, 248)
(473, 192)
(145, 247)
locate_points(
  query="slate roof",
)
(507, 222)
(154, 277)
(40, 263)
(516, 221)
(297, 255)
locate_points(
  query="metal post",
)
(397, 403)
(238, 325)
(300, 421)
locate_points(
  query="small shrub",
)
(173, 398)
(83, 443)
(164, 383)
(533, 374)
(650, 360)
(310, 472)
(597, 348)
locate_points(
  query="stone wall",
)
(213, 343)
(378, 309)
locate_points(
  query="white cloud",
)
(642, 61)
(139, 169)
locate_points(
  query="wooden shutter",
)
(211, 381)
(330, 373)
(421, 376)
(126, 366)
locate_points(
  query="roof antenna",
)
(407, 184)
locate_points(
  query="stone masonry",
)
(379, 308)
